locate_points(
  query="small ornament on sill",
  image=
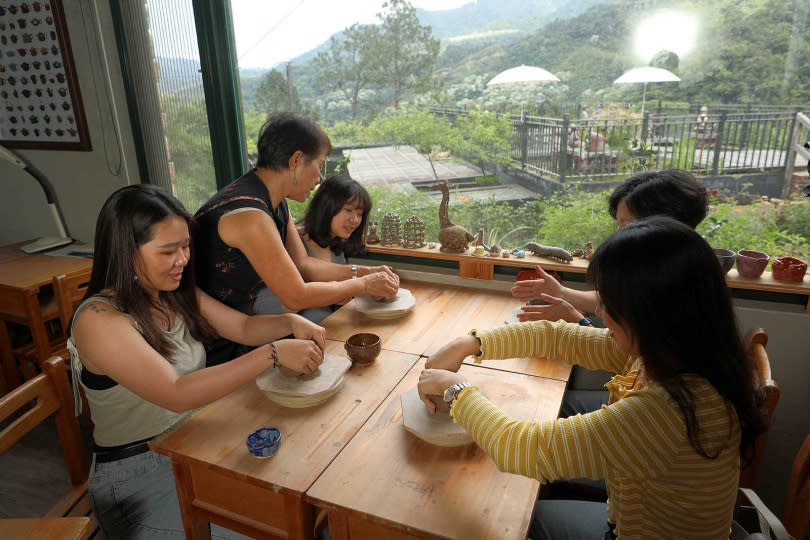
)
(371, 237)
(431, 245)
(479, 251)
(414, 232)
(391, 230)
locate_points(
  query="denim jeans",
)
(135, 498)
(570, 520)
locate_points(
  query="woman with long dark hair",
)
(683, 412)
(251, 256)
(136, 346)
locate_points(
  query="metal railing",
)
(728, 142)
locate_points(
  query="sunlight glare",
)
(673, 31)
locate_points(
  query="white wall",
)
(82, 180)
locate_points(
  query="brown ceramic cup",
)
(751, 264)
(363, 348)
(788, 269)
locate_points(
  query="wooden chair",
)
(50, 392)
(796, 509)
(68, 291)
(26, 308)
(764, 382)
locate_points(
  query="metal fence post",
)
(645, 126)
(563, 160)
(718, 142)
(524, 141)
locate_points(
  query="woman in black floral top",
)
(246, 239)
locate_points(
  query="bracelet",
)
(480, 345)
(354, 270)
(274, 355)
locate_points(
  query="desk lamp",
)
(46, 242)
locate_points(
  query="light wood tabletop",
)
(442, 313)
(219, 481)
(387, 483)
(64, 528)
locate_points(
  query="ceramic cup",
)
(264, 442)
(363, 348)
(726, 258)
(788, 269)
(751, 264)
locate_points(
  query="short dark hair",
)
(284, 134)
(125, 223)
(328, 200)
(661, 281)
(671, 192)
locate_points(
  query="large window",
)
(402, 89)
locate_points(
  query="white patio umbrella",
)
(523, 75)
(646, 74)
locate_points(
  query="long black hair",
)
(332, 194)
(671, 192)
(284, 134)
(125, 223)
(661, 281)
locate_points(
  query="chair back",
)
(749, 477)
(50, 392)
(69, 290)
(796, 510)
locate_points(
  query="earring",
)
(295, 179)
(136, 278)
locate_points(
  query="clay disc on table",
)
(398, 306)
(437, 429)
(322, 380)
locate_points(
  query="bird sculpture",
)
(453, 238)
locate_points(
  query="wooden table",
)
(27, 274)
(389, 484)
(219, 481)
(65, 528)
(442, 313)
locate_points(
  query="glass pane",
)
(181, 100)
(718, 93)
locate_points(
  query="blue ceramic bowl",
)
(726, 258)
(264, 442)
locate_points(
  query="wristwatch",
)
(354, 270)
(451, 393)
(585, 321)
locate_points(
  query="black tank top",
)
(221, 270)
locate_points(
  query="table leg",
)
(338, 525)
(11, 373)
(195, 528)
(300, 521)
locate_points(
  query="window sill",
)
(484, 268)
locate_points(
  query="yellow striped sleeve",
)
(590, 347)
(637, 436)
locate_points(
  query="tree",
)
(407, 50)
(485, 137)
(350, 63)
(272, 95)
(418, 128)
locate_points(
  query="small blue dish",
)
(264, 442)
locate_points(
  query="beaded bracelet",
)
(274, 355)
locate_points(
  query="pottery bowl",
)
(751, 264)
(264, 442)
(363, 348)
(788, 269)
(726, 258)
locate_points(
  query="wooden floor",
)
(34, 474)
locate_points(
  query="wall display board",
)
(40, 102)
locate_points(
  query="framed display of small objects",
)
(41, 107)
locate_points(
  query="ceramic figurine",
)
(391, 230)
(548, 251)
(495, 250)
(453, 238)
(479, 251)
(431, 245)
(414, 232)
(588, 250)
(519, 253)
(479, 239)
(371, 237)
(506, 254)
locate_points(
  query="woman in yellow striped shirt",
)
(682, 406)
